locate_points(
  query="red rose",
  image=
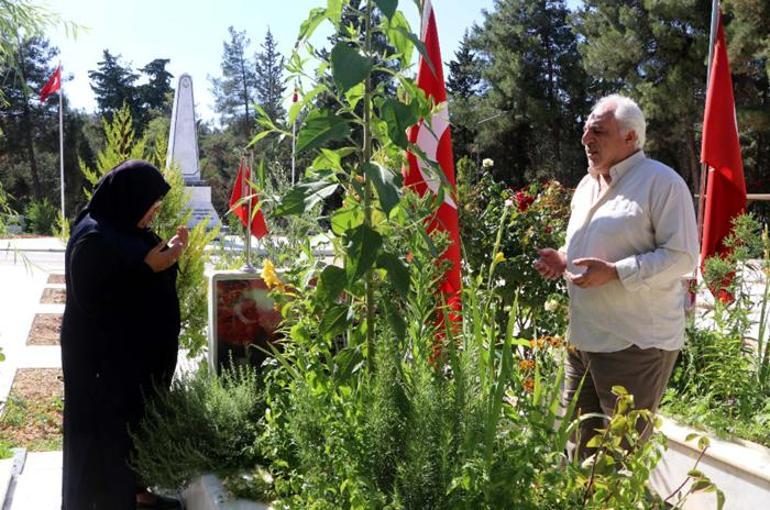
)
(523, 200)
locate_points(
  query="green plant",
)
(722, 380)
(62, 228)
(479, 426)
(204, 423)
(41, 217)
(5, 211)
(374, 401)
(538, 218)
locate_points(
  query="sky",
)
(191, 35)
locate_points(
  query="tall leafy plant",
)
(358, 145)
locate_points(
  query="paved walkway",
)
(24, 277)
(25, 265)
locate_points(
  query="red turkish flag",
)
(241, 190)
(53, 84)
(434, 138)
(721, 151)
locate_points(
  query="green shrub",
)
(204, 423)
(722, 379)
(538, 219)
(41, 217)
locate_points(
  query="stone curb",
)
(10, 469)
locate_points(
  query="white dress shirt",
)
(644, 223)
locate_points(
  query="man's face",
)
(604, 141)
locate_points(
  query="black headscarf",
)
(126, 193)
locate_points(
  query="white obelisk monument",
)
(183, 150)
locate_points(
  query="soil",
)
(45, 329)
(55, 278)
(53, 297)
(32, 417)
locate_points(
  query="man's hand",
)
(159, 258)
(551, 264)
(598, 272)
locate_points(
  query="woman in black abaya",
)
(119, 334)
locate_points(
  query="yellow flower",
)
(269, 275)
(499, 257)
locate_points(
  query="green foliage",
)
(62, 227)
(475, 424)
(191, 282)
(268, 83)
(653, 51)
(5, 211)
(41, 217)
(234, 91)
(204, 423)
(722, 380)
(120, 144)
(534, 94)
(537, 219)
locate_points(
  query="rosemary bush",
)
(204, 423)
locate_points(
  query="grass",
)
(31, 423)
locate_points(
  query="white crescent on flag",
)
(428, 138)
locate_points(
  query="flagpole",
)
(704, 169)
(245, 188)
(61, 144)
(295, 98)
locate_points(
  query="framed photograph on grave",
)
(242, 319)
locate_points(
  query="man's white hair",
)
(628, 114)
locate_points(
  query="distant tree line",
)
(524, 79)
(521, 85)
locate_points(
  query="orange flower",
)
(526, 364)
(528, 385)
(555, 341)
(538, 343)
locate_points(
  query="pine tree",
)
(113, 86)
(748, 36)
(234, 91)
(655, 52)
(536, 90)
(23, 120)
(153, 94)
(269, 78)
(464, 87)
(464, 78)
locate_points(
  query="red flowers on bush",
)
(523, 200)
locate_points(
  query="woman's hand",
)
(181, 238)
(159, 258)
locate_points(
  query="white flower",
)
(509, 203)
(551, 305)
(487, 163)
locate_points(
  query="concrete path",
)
(25, 265)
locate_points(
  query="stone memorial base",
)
(202, 208)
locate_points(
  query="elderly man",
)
(631, 237)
